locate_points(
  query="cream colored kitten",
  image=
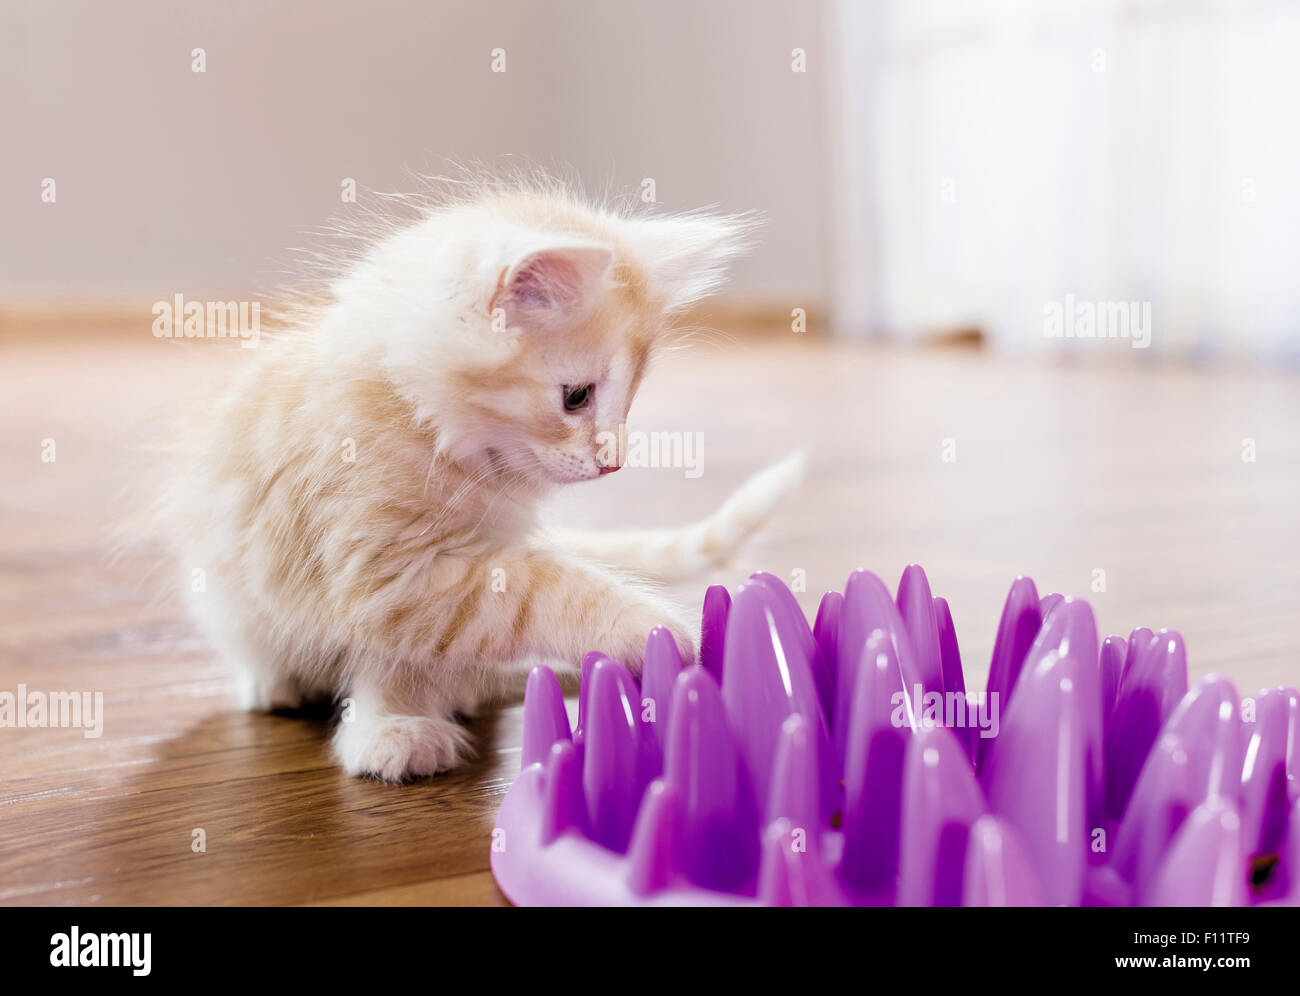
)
(369, 487)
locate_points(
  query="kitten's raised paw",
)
(634, 628)
(685, 643)
(395, 748)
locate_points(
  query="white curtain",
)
(1025, 154)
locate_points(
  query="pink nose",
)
(608, 470)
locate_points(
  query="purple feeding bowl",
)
(846, 764)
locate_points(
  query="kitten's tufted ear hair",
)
(685, 256)
(546, 286)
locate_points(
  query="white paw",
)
(259, 691)
(395, 748)
(634, 627)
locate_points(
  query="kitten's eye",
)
(577, 396)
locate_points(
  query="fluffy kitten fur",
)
(370, 477)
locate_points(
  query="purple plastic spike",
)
(767, 677)
(1103, 886)
(1071, 630)
(826, 630)
(1021, 620)
(659, 670)
(1037, 771)
(747, 797)
(868, 607)
(941, 801)
(588, 663)
(1205, 865)
(1138, 641)
(999, 868)
(873, 770)
(793, 873)
(653, 860)
(1049, 602)
(563, 805)
(713, 629)
(954, 682)
(1263, 775)
(1113, 649)
(719, 843)
(545, 720)
(787, 607)
(614, 770)
(792, 622)
(916, 606)
(1149, 691)
(1207, 720)
(1162, 799)
(1080, 641)
(1292, 733)
(794, 794)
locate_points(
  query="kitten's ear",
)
(547, 286)
(685, 256)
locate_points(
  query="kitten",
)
(369, 486)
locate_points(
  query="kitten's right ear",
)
(686, 255)
(549, 286)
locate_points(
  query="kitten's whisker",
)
(461, 495)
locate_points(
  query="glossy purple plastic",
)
(847, 764)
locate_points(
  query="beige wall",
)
(172, 181)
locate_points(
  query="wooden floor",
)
(1059, 472)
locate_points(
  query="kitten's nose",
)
(608, 470)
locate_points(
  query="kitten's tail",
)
(677, 554)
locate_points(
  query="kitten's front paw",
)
(395, 748)
(685, 642)
(635, 626)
